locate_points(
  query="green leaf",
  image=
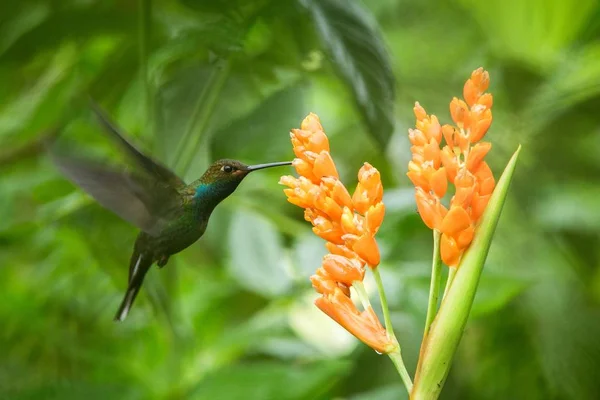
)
(352, 37)
(271, 381)
(256, 256)
(439, 346)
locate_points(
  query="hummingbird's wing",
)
(152, 167)
(141, 200)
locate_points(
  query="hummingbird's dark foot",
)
(162, 261)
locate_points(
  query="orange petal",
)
(367, 249)
(419, 180)
(331, 208)
(417, 137)
(449, 133)
(465, 238)
(462, 197)
(478, 205)
(485, 179)
(471, 92)
(340, 250)
(370, 179)
(347, 220)
(449, 251)
(344, 288)
(432, 153)
(476, 155)
(305, 169)
(324, 166)
(427, 210)
(486, 100)
(342, 269)
(360, 325)
(455, 221)
(311, 123)
(450, 162)
(480, 128)
(439, 182)
(459, 112)
(419, 111)
(374, 217)
(289, 180)
(318, 142)
(338, 191)
(323, 285)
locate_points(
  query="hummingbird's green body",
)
(171, 214)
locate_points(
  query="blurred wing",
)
(145, 203)
(154, 168)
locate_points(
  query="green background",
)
(232, 316)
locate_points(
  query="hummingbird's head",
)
(223, 177)
(225, 171)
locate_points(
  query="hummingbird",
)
(170, 214)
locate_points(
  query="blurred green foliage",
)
(232, 316)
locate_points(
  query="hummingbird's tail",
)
(137, 271)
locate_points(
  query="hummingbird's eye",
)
(227, 168)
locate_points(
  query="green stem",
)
(384, 305)
(436, 279)
(396, 355)
(396, 358)
(451, 274)
(189, 143)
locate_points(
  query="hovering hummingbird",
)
(171, 214)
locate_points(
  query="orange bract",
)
(459, 162)
(347, 222)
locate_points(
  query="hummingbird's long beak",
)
(268, 165)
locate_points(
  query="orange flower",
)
(347, 222)
(460, 162)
